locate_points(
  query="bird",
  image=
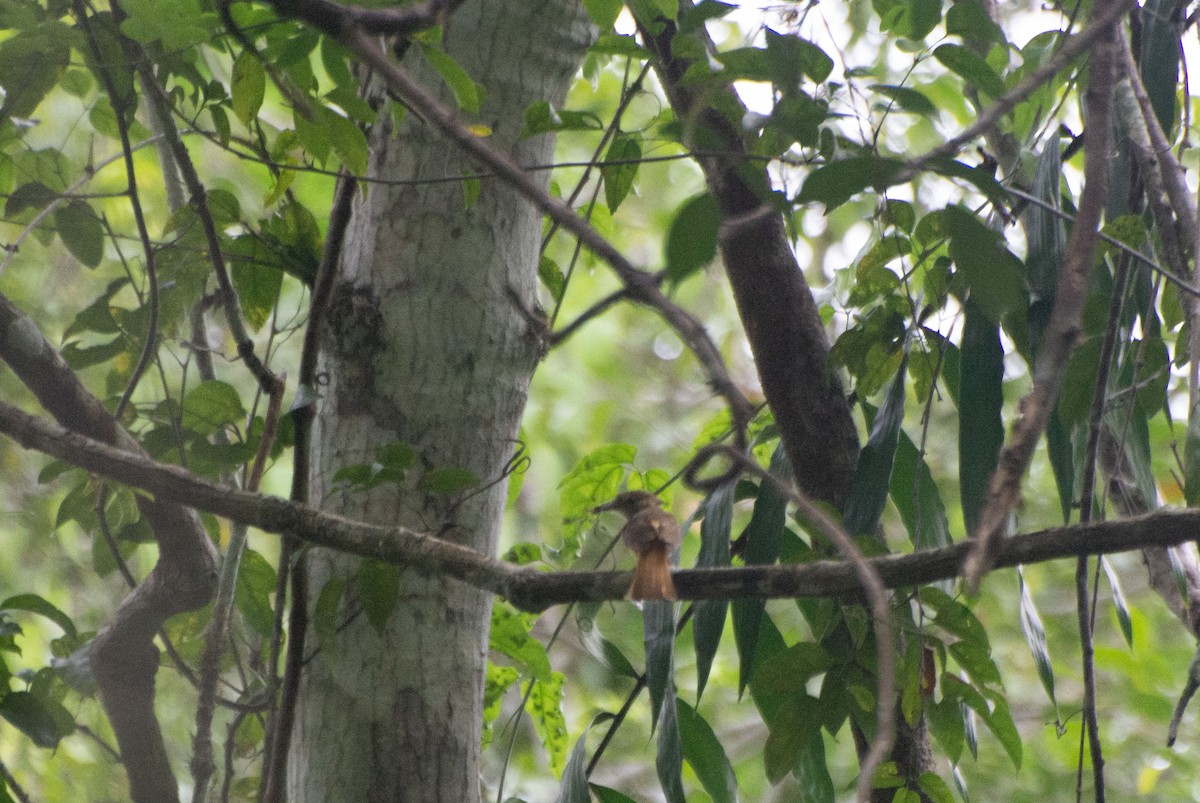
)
(652, 533)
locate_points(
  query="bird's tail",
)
(652, 576)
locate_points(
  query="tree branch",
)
(531, 589)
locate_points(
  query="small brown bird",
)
(652, 533)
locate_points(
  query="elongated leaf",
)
(761, 543)
(43, 720)
(916, 496)
(971, 67)
(668, 759)
(1045, 231)
(872, 477)
(692, 237)
(1035, 637)
(605, 794)
(378, 590)
(710, 614)
(658, 620)
(1123, 617)
(980, 429)
(1062, 463)
(706, 755)
(35, 604)
(1162, 27)
(1191, 459)
(837, 182)
(574, 787)
(812, 771)
(624, 152)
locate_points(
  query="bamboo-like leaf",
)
(1123, 617)
(980, 429)
(1159, 55)
(872, 478)
(1062, 463)
(658, 621)
(574, 787)
(668, 759)
(762, 539)
(1035, 637)
(710, 614)
(1044, 230)
(705, 754)
(916, 496)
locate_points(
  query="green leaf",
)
(812, 771)
(658, 623)
(594, 480)
(41, 719)
(348, 141)
(212, 405)
(81, 231)
(80, 357)
(325, 612)
(935, 788)
(692, 237)
(1119, 603)
(574, 788)
(762, 539)
(1045, 231)
(603, 13)
(552, 277)
(790, 58)
(257, 289)
(31, 62)
(668, 758)
(378, 590)
(1035, 637)
(990, 273)
(607, 795)
(1062, 463)
(545, 710)
(180, 25)
(509, 635)
(710, 614)
(837, 182)
(39, 605)
(916, 495)
(467, 94)
(448, 480)
(705, 754)
(971, 68)
(618, 178)
(794, 726)
(787, 670)
(971, 20)
(946, 724)
(872, 477)
(907, 99)
(247, 87)
(252, 594)
(980, 428)
(1162, 28)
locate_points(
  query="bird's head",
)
(630, 502)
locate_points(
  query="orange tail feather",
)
(652, 576)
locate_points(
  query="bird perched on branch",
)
(652, 533)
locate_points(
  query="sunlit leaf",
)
(545, 710)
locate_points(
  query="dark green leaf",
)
(946, 725)
(257, 289)
(1162, 28)
(837, 182)
(907, 99)
(980, 428)
(972, 20)
(761, 543)
(705, 754)
(692, 237)
(1062, 463)
(39, 605)
(80, 357)
(790, 58)
(39, 718)
(970, 67)
(1045, 230)
(81, 231)
(710, 614)
(255, 584)
(668, 758)
(607, 795)
(872, 477)
(325, 612)
(378, 591)
(33, 195)
(574, 787)
(620, 168)
(985, 268)
(658, 622)
(916, 496)
(32, 62)
(812, 771)
(1191, 459)
(981, 178)
(795, 724)
(788, 670)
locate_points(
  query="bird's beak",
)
(604, 507)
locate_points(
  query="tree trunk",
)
(424, 345)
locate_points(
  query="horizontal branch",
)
(535, 590)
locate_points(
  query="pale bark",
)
(425, 346)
